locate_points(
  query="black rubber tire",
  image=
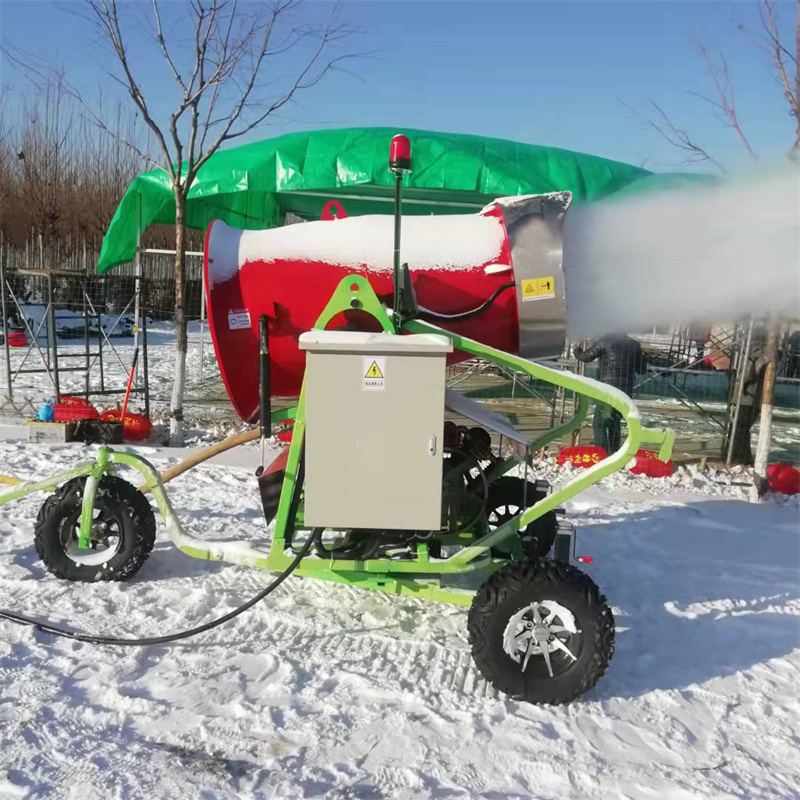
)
(119, 499)
(507, 592)
(538, 537)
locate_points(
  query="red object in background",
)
(71, 409)
(583, 456)
(648, 463)
(135, 427)
(783, 478)
(17, 339)
(286, 435)
(290, 273)
(333, 209)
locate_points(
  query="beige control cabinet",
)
(374, 424)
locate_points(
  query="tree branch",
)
(165, 49)
(721, 78)
(779, 53)
(109, 22)
(659, 120)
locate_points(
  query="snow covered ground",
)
(330, 691)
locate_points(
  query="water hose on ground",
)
(65, 633)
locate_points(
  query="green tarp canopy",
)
(255, 185)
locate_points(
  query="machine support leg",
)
(89, 491)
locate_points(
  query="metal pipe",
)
(154, 251)
(5, 320)
(99, 347)
(87, 361)
(53, 335)
(34, 336)
(378, 199)
(145, 368)
(202, 317)
(45, 370)
(740, 368)
(398, 180)
(137, 260)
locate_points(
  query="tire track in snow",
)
(426, 668)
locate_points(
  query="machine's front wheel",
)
(123, 531)
(541, 632)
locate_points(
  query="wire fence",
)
(688, 385)
(67, 330)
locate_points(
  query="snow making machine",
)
(376, 488)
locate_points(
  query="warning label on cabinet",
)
(373, 373)
(538, 288)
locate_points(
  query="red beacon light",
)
(400, 154)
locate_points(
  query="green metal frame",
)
(417, 577)
(412, 577)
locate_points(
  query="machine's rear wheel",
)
(541, 632)
(123, 531)
(505, 501)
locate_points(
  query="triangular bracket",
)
(355, 293)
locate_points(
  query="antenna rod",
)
(398, 182)
(399, 162)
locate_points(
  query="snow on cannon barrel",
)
(495, 276)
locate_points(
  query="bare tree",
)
(61, 178)
(222, 96)
(722, 98)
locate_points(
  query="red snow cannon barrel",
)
(457, 263)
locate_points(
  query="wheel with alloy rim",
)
(122, 534)
(541, 632)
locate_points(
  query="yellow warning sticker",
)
(373, 373)
(538, 288)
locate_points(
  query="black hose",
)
(172, 637)
(345, 551)
(294, 505)
(473, 312)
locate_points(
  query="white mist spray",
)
(695, 255)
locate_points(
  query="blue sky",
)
(554, 73)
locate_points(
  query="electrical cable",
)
(64, 633)
(471, 313)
